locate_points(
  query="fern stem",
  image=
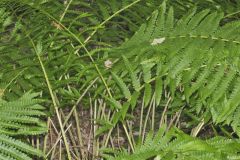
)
(128, 137)
(231, 14)
(141, 120)
(146, 119)
(84, 47)
(60, 149)
(197, 129)
(46, 138)
(204, 37)
(52, 97)
(57, 141)
(164, 112)
(153, 113)
(71, 136)
(175, 118)
(95, 141)
(65, 11)
(109, 18)
(131, 133)
(79, 133)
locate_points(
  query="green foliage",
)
(61, 36)
(20, 117)
(193, 53)
(185, 54)
(31, 29)
(176, 145)
(15, 149)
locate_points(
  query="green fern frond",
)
(195, 53)
(20, 145)
(20, 117)
(177, 145)
(122, 85)
(133, 75)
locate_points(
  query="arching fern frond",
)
(194, 57)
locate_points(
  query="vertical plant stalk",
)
(46, 138)
(128, 137)
(198, 128)
(79, 133)
(141, 120)
(147, 117)
(53, 98)
(56, 143)
(71, 136)
(153, 114)
(74, 107)
(129, 125)
(164, 112)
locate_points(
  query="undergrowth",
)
(127, 79)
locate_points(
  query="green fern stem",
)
(204, 37)
(52, 97)
(109, 18)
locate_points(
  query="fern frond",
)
(195, 53)
(177, 145)
(123, 86)
(20, 117)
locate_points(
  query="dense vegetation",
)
(120, 79)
